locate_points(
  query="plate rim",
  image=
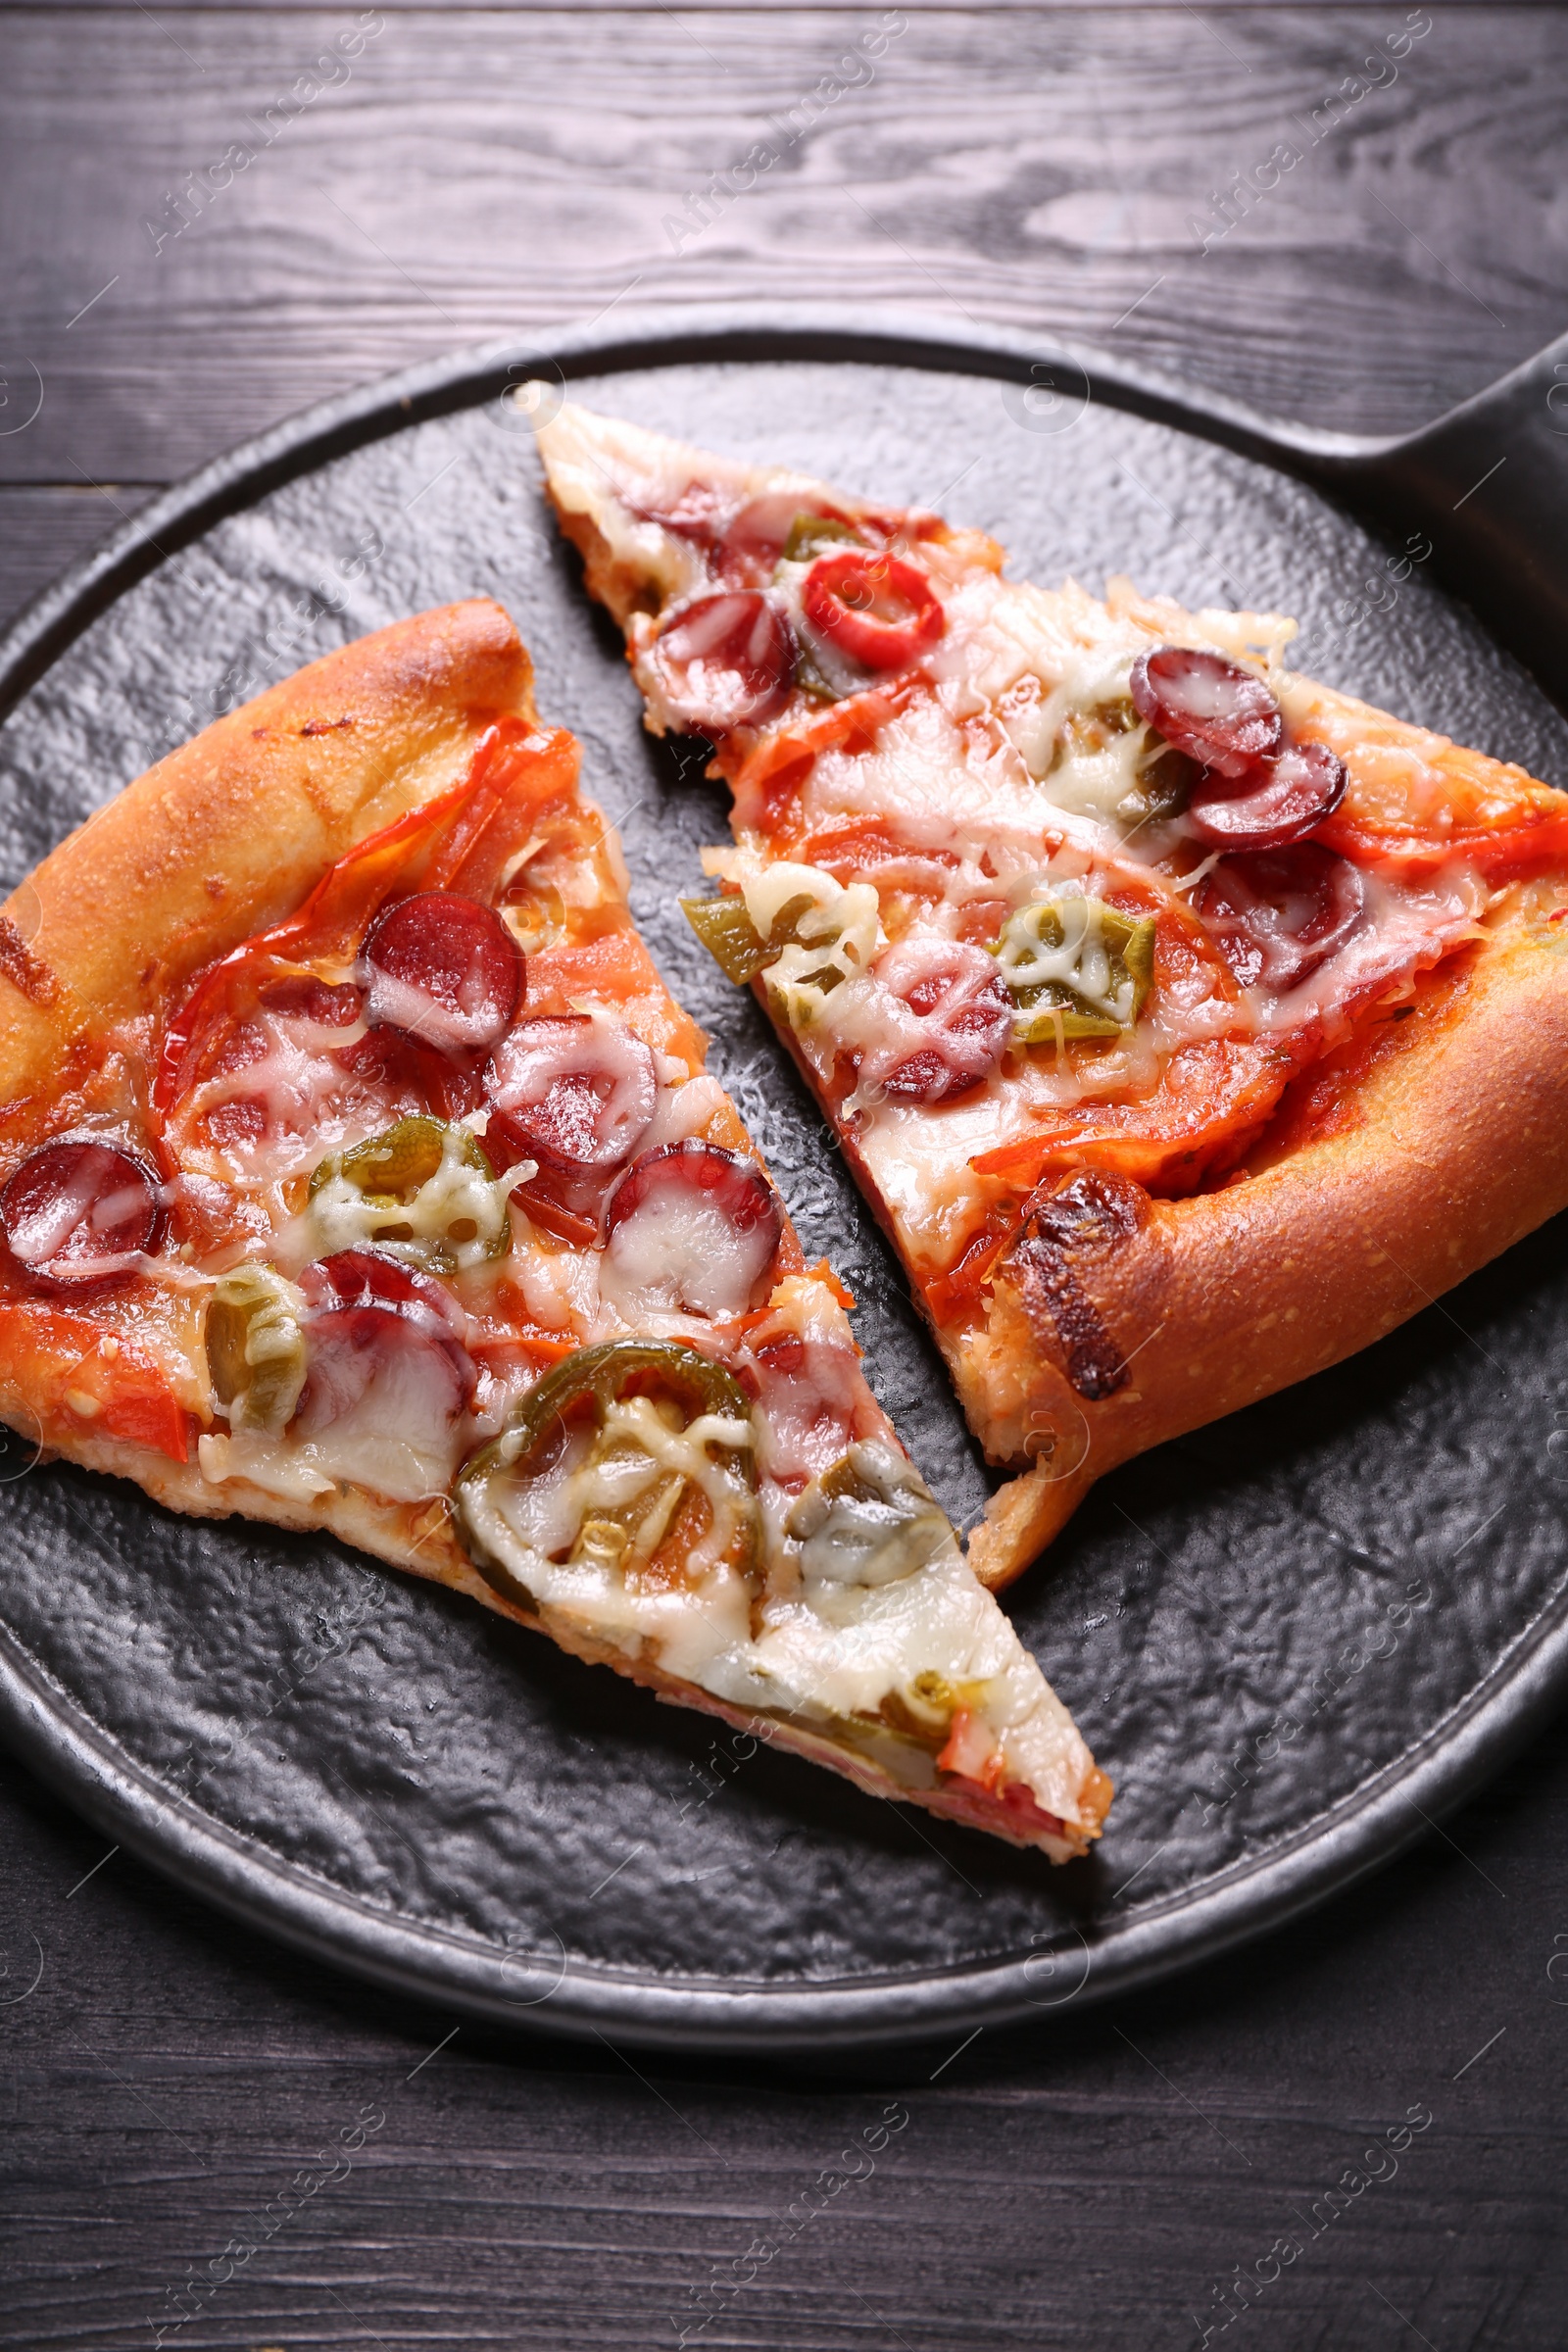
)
(81, 1760)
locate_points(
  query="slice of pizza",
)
(357, 1171)
(1187, 1023)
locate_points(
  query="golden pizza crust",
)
(220, 840)
(1447, 1149)
(228, 833)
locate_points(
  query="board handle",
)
(1488, 484)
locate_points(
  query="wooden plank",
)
(1097, 2184)
(44, 530)
(1055, 173)
(1090, 2187)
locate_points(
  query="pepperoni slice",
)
(725, 661)
(354, 1278)
(367, 1314)
(880, 611)
(1277, 915)
(690, 1228)
(443, 969)
(757, 532)
(573, 1092)
(964, 1004)
(303, 997)
(1276, 803)
(79, 1212)
(696, 512)
(1219, 714)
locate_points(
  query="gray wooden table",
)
(456, 174)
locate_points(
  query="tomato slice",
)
(768, 777)
(1507, 852)
(54, 1358)
(1212, 1100)
(1417, 801)
(880, 611)
(460, 844)
(951, 1294)
(857, 846)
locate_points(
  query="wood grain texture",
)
(850, 11)
(1047, 170)
(1086, 2187)
(44, 529)
(1094, 2184)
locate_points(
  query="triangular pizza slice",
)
(1188, 1024)
(359, 1171)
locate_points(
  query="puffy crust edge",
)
(228, 833)
(1448, 1153)
(224, 836)
(1262, 1284)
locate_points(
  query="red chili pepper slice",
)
(880, 611)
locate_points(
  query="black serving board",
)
(1293, 1639)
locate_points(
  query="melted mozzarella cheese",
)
(1078, 961)
(679, 1251)
(399, 1437)
(870, 1526)
(459, 1211)
(264, 1461)
(837, 934)
(828, 1659)
(299, 1087)
(686, 1106)
(635, 1451)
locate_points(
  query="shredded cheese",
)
(837, 932)
(454, 1222)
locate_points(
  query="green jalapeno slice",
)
(1076, 968)
(424, 1190)
(810, 533)
(733, 940)
(254, 1347)
(633, 1458)
(868, 1520)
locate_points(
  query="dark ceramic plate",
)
(1291, 1637)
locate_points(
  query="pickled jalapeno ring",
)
(649, 1500)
